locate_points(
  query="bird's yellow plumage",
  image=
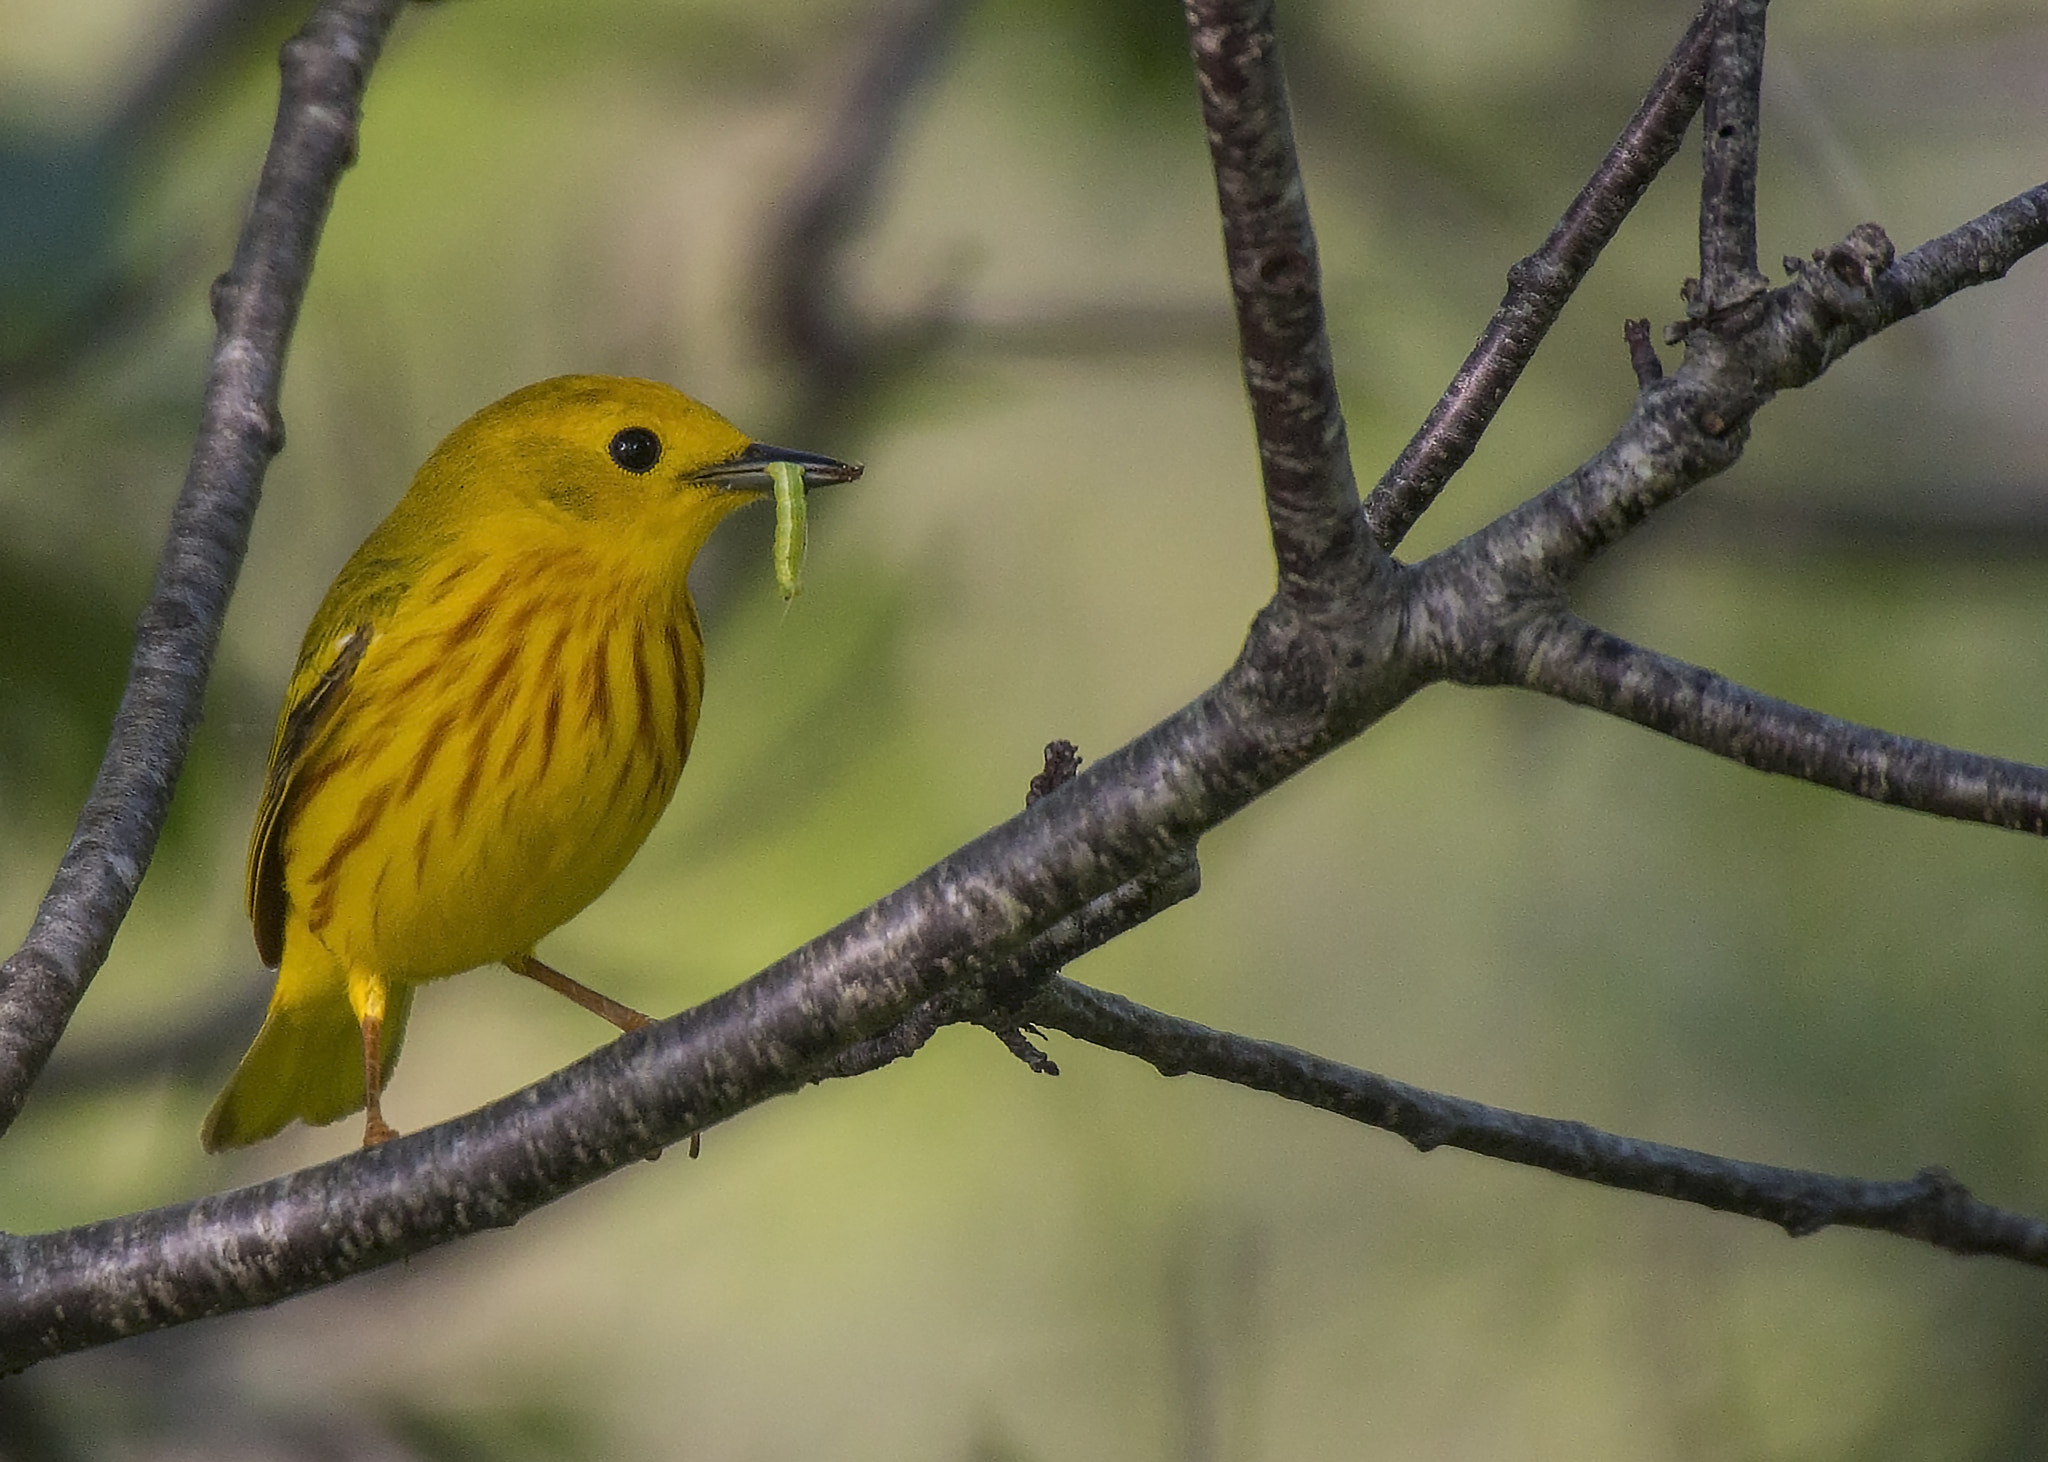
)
(490, 711)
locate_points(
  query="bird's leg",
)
(375, 1128)
(625, 1017)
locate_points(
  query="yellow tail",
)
(306, 1064)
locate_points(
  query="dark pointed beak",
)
(748, 472)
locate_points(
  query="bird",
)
(490, 710)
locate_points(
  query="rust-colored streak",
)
(596, 686)
(496, 686)
(472, 776)
(359, 831)
(521, 619)
(422, 844)
(627, 766)
(411, 686)
(550, 724)
(685, 692)
(452, 575)
(490, 704)
(312, 779)
(465, 629)
(551, 662)
(661, 783)
(647, 735)
(522, 733)
(429, 747)
(374, 746)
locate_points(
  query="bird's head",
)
(618, 455)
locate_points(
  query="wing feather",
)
(318, 690)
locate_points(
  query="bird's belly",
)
(460, 841)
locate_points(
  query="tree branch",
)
(997, 999)
(1539, 287)
(992, 999)
(1270, 248)
(1931, 1207)
(1694, 423)
(1732, 135)
(1565, 657)
(1348, 636)
(256, 305)
(1133, 809)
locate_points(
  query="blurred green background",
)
(1059, 535)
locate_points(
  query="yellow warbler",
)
(490, 710)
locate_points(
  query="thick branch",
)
(1297, 690)
(1270, 248)
(1318, 668)
(1132, 810)
(1932, 1207)
(1577, 662)
(1539, 287)
(1732, 135)
(991, 999)
(997, 999)
(256, 304)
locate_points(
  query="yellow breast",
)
(505, 747)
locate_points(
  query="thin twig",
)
(1931, 1207)
(1694, 422)
(1642, 352)
(1539, 287)
(256, 305)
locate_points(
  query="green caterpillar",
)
(790, 532)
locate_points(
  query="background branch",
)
(256, 305)
(842, 358)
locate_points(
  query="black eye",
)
(636, 449)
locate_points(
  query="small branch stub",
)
(1062, 764)
(1642, 354)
